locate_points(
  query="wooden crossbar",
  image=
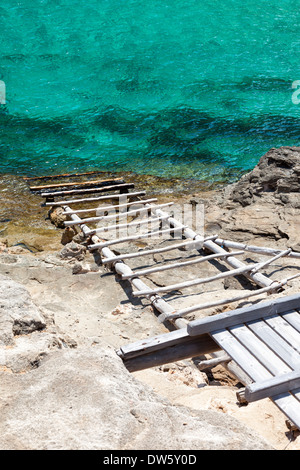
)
(194, 282)
(112, 207)
(163, 349)
(128, 225)
(115, 187)
(93, 199)
(192, 244)
(275, 385)
(64, 175)
(199, 259)
(76, 183)
(240, 315)
(255, 249)
(117, 215)
(116, 241)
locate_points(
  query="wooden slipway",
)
(261, 342)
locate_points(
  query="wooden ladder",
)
(251, 337)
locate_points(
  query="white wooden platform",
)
(264, 340)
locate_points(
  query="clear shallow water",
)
(181, 88)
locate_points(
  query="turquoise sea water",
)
(180, 88)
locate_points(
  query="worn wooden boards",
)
(264, 340)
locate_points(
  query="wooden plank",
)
(231, 318)
(275, 342)
(289, 405)
(284, 329)
(112, 207)
(115, 187)
(199, 259)
(101, 245)
(189, 244)
(166, 348)
(107, 197)
(114, 216)
(76, 183)
(64, 175)
(286, 402)
(293, 318)
(273, 386)
(259, 350)
(263, 264)
(250, 365)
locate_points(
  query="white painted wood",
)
(194, 282)
(259, 349)
(254, 249)
(199, 259)
(285, 330)
(263, 264)
(293, 318)
(158, 232)
(258, 278)
(244, 314)
(250, 365)
(115, 216)
(275, 342)
(286, 402)
(273, 386)
(196, 245)
(111, 207)
(128, 225)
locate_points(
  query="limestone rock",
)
(277, 174)
(73, 250)
(85, 399)
(18, 314)
(57, 217)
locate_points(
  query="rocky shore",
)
(63, 315)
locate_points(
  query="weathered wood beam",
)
(127, 225)
(165, 348)
(244, 314)
(115, 187)
(114, 216)
(76, 183)
(107, 197)
(254, 249)
(194, 282)
(101, 245)
(273, 386)
(199, 259)
(191, 244)
(112, 207)
(258, 278)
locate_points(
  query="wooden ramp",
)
(263, 340)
